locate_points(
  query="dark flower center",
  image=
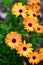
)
(38, 16)
(33, 3)
(38, 3)
(20, 10)
(38, 28)
(30, 24)
(34, 15)
(24, 48)
(13, 40)
(34, 57)
(27, 14)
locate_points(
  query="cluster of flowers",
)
(14, 40)
(30, 13)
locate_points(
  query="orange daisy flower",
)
(29, 12)
(34, 58)
(33, 11)
(33, 2)
(24, 49)
(36, 14)
(19, 9)
(28, 7)
(38, 28)
(41, 52)
(29, 23)
(35, 7)
(13, 39)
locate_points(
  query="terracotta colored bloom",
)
(19, 9)
(34, 58)
(29, 23)
(13, 39)
(38, 28)
(41, 52)
(33, 1)
(24, 49)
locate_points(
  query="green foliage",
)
(35, 39)
(7, 2)
(8, 56)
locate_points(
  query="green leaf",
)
(7, 2)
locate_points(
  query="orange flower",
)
(41, 52)
(19, 9)
(28, 7)
(33, 10)
(13, 39)
(36, 14)
(34, 58)
(33, 2)
(24, 49)
(35, 7)
(29, 23)
(29, 12)
(38, 28)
